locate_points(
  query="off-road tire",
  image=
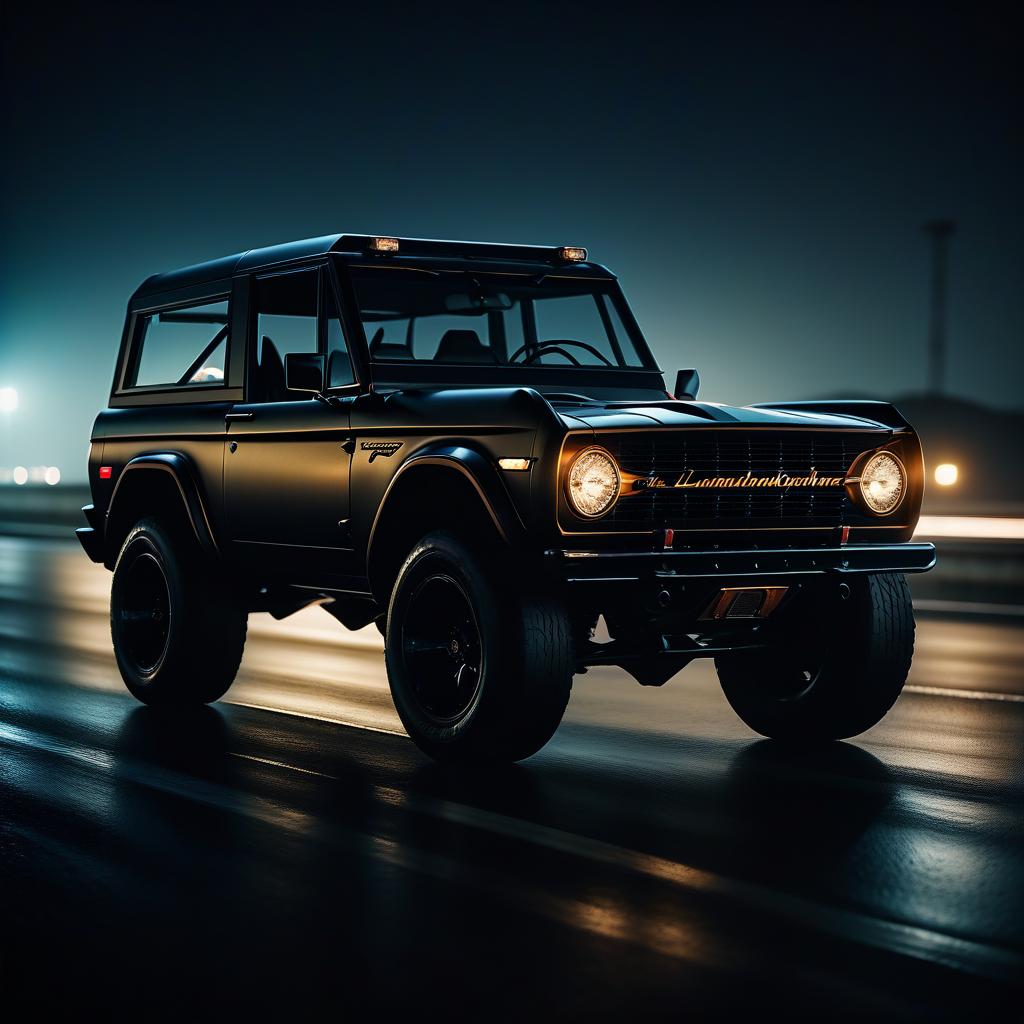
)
(205, 621)
(867, 644)
(526, 662)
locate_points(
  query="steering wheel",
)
(556, 346)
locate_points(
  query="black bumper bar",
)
(628, 566)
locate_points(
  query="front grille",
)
(732, 452)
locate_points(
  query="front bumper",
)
(634, 566)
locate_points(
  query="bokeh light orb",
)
(20, 475)
(52, 475)
(946, 474)
(8, 399)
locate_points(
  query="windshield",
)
(492, 319)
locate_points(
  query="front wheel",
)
(835, 672)
(479, 668)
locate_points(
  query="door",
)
(286, 465)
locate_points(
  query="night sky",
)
(758, 176)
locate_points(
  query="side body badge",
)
(385, 448)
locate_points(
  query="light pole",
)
(939, 231)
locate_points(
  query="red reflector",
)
(670, 536)
(844, 534)
(106, 472)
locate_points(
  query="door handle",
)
(228, 416)
(348, 446)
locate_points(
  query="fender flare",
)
(481, 473)
(179, 467)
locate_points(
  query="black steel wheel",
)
(178, 629)
(479, 668)
(442, 647)
(835, 672)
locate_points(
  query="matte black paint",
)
(290, 493)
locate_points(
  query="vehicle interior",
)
(482, 319)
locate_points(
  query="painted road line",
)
(942, 691)
(316, 718)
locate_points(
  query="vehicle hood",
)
(625, 415)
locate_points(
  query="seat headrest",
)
(463, 347)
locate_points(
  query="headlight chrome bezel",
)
(575, 509)
(904, 481)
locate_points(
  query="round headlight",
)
(882, 483)
(593, 483)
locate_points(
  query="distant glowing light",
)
(20, 475)
(8, 399)
(52, 475)
(971, 527)
(946, 475)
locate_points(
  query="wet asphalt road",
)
(291, 849)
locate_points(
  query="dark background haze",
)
(757, 175)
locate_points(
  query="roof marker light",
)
(572, 254)
(383, 245)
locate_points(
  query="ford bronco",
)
(471, 446)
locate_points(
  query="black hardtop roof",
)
(358, 245)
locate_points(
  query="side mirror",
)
(687, 384)
(304, 371)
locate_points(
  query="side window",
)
(183, 347)
(339, 362)
(286, 321)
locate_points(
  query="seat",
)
(271, 373)
(463, 347)
(381, 349)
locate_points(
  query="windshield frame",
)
(647, 375)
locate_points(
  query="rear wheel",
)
(833, 674)
(479, 668)
(178, 629)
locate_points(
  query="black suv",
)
(471, 445)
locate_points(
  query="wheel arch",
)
(152, 483)
(449, 487)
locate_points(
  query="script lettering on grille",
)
(749, 480)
